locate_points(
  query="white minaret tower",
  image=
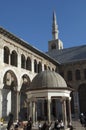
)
(54, 27)
(55, 43)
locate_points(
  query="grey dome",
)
(48, 79)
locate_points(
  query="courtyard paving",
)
(76, 126)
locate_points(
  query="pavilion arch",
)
(82, 97)
(25, 84)
(9, 94)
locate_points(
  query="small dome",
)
(48, 79)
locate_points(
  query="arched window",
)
(23, 61)
(53, 69)
(45, 67)
(6, 55)
(35, 66)
(77, 74)
(28, 64)
(39, 67)
(48, 68)
(53, 46)
(14, 58)
(69, 75)
(85, 73)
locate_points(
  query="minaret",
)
(55, 44)
(54, 27)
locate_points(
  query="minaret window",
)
(53, 46)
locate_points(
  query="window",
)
(28, 64)
(23, 61)
(77, 74)
(85, 73)
(45, 67)
(39, 67)
(69, 75)
(35, 66)
(14, 58)
(53, 46)
(6, 55)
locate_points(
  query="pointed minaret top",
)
(54, 27)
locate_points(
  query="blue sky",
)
(31, 20)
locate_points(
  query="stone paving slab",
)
(76, 126)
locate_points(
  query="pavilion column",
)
(34, 111)
(64, 113)
(69, 109)
(30, 109)
(49, 110)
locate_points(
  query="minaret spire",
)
(54, 27)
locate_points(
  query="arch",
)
(77, 74)
(9, 94)
(39, 67)
(28, 64)
(6, 55)
(48, 67)
(14, 58)
(23, 97)
(69, 75)
(82, 99)
(45, 67)
(35, 66)
(23, 64)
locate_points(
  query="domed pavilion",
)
(49, 97)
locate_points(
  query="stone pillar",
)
(4, 102)
(64, 113)
(17, 105)
(33, 112)
(49, 110)
(76, 104)
(0, 103)
(19, 57)
(69, 109)
(32, 65)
